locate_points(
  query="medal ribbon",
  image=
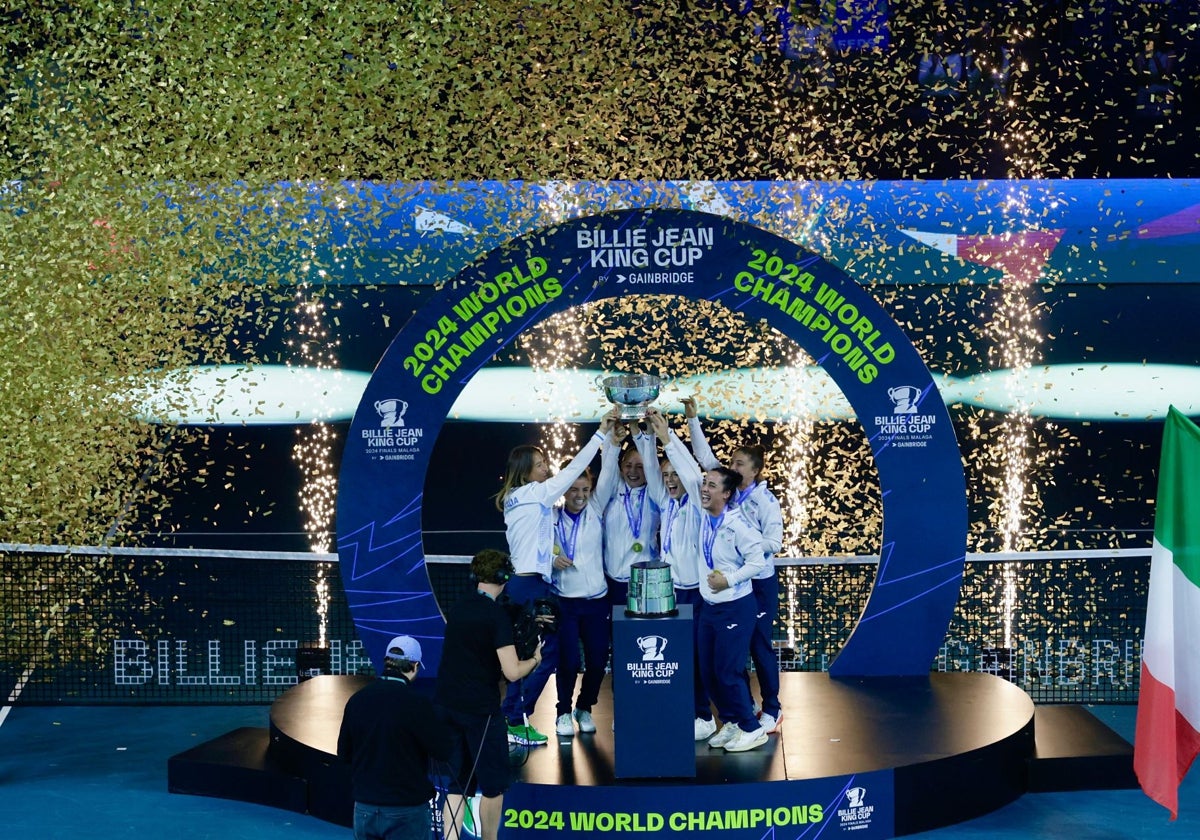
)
(635, 523)
(742, 494)
(708, 536)
(673, 508)
(567, 541)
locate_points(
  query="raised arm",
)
(684, 464)
(610, 473)
(649, 452)
(549, 490)
(771, 525)
(701, 449)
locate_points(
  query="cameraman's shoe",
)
(584, 719)
(525, 734)
(564, 726)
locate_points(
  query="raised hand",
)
(620, 432)
(658, 424)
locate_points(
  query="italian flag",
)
(1167, 738)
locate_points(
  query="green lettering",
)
(468, 307)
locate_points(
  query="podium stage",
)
(926, 752)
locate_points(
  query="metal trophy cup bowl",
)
(633, 392)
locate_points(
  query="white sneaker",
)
(564, 727)
(584, 719)
(769, 722)
(755, 707)
(705, 729)
(727, 734)
(743, 741)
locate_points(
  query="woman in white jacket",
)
(728, 554)
(584, 612)
(761, 509)
(678, 536)
(630, 516)
(527, 499)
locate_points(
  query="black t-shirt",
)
(469, 675)
(388, 734)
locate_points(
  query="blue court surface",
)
(72, 772)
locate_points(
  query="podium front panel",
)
(653, 697)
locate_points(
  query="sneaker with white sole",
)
(723, 737)
(742, 740)
(564, 727)
(769, 722)
(584, 718)
(705, 728)
(525, 734)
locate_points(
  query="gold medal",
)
(637, 546)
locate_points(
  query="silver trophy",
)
(633, 392)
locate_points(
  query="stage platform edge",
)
(1077, 751)
(237, 765)
(960, 745)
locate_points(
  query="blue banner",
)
(677, 252)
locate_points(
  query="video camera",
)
(531, 622)
(546, 611)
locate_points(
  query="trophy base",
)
(633, 412)
(665, 614)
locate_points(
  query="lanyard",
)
(673, 508)
(635, 523)
(567, 541)
(742, 494)
(708, 536)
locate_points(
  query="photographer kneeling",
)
(479, 651)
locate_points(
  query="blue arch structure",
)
(658, 251)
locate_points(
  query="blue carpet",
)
(73, 772)
(76, 772)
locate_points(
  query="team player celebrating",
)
(678, 536)
(527, 499)
(759, 506)
(728, 553)
(584, 612)
(630, 519)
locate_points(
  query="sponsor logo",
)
(391, 412)
(653, 669)
(904, 427)
(666, 253)
(657, 277)
(652, 648)
(904, 398)
(392, 439)
(856, 813)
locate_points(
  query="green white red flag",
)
(1167, 738)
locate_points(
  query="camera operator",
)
(479, 650)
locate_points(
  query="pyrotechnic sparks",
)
(553, 348)
(1014, 327)
(313, 449)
